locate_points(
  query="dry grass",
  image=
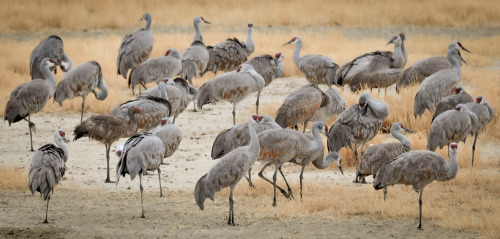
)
(77, 15)
(13, 178)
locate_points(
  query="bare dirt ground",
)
(84, 206)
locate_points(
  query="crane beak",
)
(65, 140)
(289, 42)
(205, 21)
(463, 48)
(409, 131)
(391, 41)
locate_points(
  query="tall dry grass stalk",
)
(13, 178)
(39, 15)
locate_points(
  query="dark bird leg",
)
(32, 127)
(143, 85)
(385, 193)
(420, 209)
(47, 210)
(231, 212)
(83, 106)
(290, 194)
(173, 122)
(356, 161)
(257, 103)
(269, 181)
(474, 147)
(108, 147)
(159, 180)
(234, 113)
(249, 178)
(142, 189)
(274, 184)
(305, 125)
(301, 177)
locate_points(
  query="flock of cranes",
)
(262, 138)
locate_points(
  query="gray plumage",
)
(451, 126)
(279, 146)
(195, 58)
(108, 129)
(440, 84)
(156, 69)
(228, 55)
(80, 81)
(233, 87)
(417, 168)
(378, 79)
(336, 106)
(375, 61)
(358, 125)
(47, 167)
(268, 67)
(179, 94)
(30, 97)
(485, 114)
(449, 102)
(50, 47)
(170, 134)
(228, 171)
(421, 69)
(135, 47)
(300, 106)
(317, 69)
(141, 153)
(377, 155)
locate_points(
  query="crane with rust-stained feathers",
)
(228, 55)
(300, 106)
(135, 47)
(155, 70)
(170, 134)
(229, 170)
(141, 153)
(451, 126)
(485, 114)
(30, 97)
(80, 81)
(377, 155)
(268, 67)
(47, 167)
(52, 48)
(317, 69)
(195, 58)
(232, 87)
(108, 129)
(417, 168)
(279, 146)
(440, 84)
(375, 61)
(358, 125)
(449, 102)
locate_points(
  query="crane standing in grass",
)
(485, 114)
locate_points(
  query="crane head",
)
(256, 118)
(479, 99)
(277, 55)
(293, 41)
(454, 146)
(167, 53)
(205, 21)
(137, 110)
(462, 47)
(458, 90)
(62, 134)
(250, 25)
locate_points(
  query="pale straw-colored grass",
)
(13, 178)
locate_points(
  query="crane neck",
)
(296, 53)
(258, 78)
(321, 163)
(281, 67)
(491, 111)
(197, 35)
(402, 139)
(67, 63)
(317, 143)
(379, 108)
(61, 145)
(148, 24)
(254, 142)
(101, 85)
(249, 44)
(453, 58)
(450, 168)
(398, 60)
(49, 76)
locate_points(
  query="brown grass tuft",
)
(13, 178)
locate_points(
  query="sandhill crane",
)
(378, 79)
(300, 106)
(358, 125)
(336, 106)
(418, 168)
(379, 154)
(50, 47)
(170, 134)
(178, 94)
(195, 58)
(153, 109)
(229, 170)
(156, 69)
(317, 69)
(135, 48)
(485, 114)
(232, 87)
(421, 69)
(47, 167)
(141, 153)
(107, 129)
(80, 81)
(268, 67)
(439, 84)
(449, 102)
(228, 55)
(375, 61)
(119, 149)
(279, 146)
(451, 126)
(30, 97)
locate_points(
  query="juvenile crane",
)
(30, 97)
(229, 170)
(52, 48)
(376, 156)
(170, 134)
(80, 81)
(195, 58)
(141, 153)
(268, 67)
(317, 69)
(440, 84)
(47, 167)
(449, 102)
(228, 55)
(418, 168)
(485, 114)
(135, 48)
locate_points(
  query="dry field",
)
(83, 206)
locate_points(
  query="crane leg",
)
(83, 106)
(257, 103)
(356, 161)
(47, 210)
(249, 178)
(231, 212)
(290, 194)
(108, 147)
(305, 125)
(301, 177)
(143, 85)
(142, 189)
(274, 184)
(194, 104)
(420, 209)
(32, 127)
(159, 180)
(474, 147)
(173, 122)
(234, 114)
(385, 193)
(269, 181)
